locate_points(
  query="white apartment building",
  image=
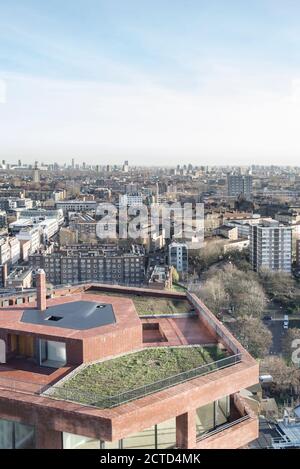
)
(9, 250)
(32, 235)
(131, 200)
(48, 228)
(15, 249)
(47, 223)
(244, 224)
(178, 256)
(76, 205)
(271, 247)
(43, 214)
(4, 251)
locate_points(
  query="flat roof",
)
(79, 315)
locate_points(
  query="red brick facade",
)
(180, 401)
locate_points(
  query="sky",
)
(160, 82)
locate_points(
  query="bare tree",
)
(253, 335)
(214, 295)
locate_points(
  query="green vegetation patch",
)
(134, 370)
(152, 305)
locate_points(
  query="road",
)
(276, 327)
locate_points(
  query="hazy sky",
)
(152, 81)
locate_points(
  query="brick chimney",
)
(41, 290)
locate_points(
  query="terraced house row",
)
(95, 366)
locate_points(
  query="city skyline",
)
(191, 83)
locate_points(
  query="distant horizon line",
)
(68, 165)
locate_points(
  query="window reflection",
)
(212, 415)
(15, 435)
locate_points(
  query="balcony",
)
(240, 429)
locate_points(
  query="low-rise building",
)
(76, 205)
(228, 232)
(32, 235)
(4, 251)
(238, 245)
(15, 249)
(20, 278)
(9, 250)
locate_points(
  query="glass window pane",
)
(166, 434)
(222, 410)
(24, 436)
(6, 434)
(71, 441)
(111, 444)
(205, 418)
(144, 440)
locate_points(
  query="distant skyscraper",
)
(125, 167)
(36, 174)
(239, 184)
(73, 163)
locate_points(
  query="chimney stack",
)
(41, 290)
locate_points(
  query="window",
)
(71, 441)
(15, 435)
(205, 418)
(160, 436)
(166, 434)
(212, 415)
(52, 354)
(144, 439)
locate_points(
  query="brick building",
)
(43, 349)
(87, 264)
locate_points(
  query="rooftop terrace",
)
(189, 343)
(153, 305)
(135, 375)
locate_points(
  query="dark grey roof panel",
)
(79, 315)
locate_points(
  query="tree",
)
(286, 379)
(175, 275)
(233, 288)
(214, 295)
(240, 259)
(280, 286)
(246, 297)
(253, 335)
(203, 258)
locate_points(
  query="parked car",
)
(267, 318)
(285, 322)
